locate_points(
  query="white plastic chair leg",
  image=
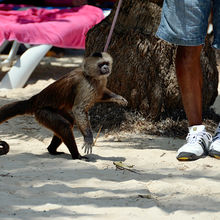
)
(22, 69)
(4, 44)
(9, 60)
(14, 50)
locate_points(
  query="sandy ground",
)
(35, 185)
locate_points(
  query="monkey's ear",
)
(97, 54)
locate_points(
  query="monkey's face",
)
(98, 65)
(104, 68)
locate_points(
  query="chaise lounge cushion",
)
(64, 28)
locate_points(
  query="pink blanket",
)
(65, 28)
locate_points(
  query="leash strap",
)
(113, 26)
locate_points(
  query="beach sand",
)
(36, 186)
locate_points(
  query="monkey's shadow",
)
(89, 157)
(27, 127)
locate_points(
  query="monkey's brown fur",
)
(67, 101)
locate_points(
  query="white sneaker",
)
(198, 142)
(214, 149)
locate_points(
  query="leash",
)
(107, 44)
(113, 26)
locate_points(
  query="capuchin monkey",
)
(66, 102)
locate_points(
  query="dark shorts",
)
(185, 22)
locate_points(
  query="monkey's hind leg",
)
(54, 144)
(61, 127)
(56, 141)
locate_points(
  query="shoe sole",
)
(185, 156)
(215, 154)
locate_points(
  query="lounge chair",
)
(39, 29)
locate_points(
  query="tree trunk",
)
(144, 66)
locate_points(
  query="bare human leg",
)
(189, 76)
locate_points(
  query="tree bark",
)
(144, 66)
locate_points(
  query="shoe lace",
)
(198, 137)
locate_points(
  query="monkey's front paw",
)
(87, 148)
(121, 101)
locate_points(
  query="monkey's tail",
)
(15, 108)
(9, 111)
(4, 149)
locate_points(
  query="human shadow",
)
(63, 183)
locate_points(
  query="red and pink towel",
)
(66, 28)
